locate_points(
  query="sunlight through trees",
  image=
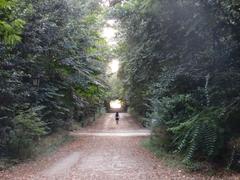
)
(172, 62)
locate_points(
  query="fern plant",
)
(201, 134)
(192, 130)
(10, 28)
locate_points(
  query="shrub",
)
(28, 128)
(202, 134)
(188, 128)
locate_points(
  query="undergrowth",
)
(44, 147)
(175, 160)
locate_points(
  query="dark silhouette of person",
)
(117, 117)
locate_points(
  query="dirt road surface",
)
(103, 151)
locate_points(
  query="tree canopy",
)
(51, 68)
(180, 70)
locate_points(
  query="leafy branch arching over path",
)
(179, 68)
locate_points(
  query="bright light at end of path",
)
(105, 3)
(116, 104)
(114, 65)
(109, 34)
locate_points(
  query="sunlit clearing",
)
(111, 22)
(106, 3)
(109, 34)
(116, 104)
(114, 65)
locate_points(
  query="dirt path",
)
(103, 151)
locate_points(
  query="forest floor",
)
(104, 151)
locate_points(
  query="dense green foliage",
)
(181, 69)
(10, 26)
(51, 68)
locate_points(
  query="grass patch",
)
(6, 163)
(51, 143)
(169, 159)
(45, 146)
(174, 160)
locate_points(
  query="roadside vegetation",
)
(180, 71)
(52, 70)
